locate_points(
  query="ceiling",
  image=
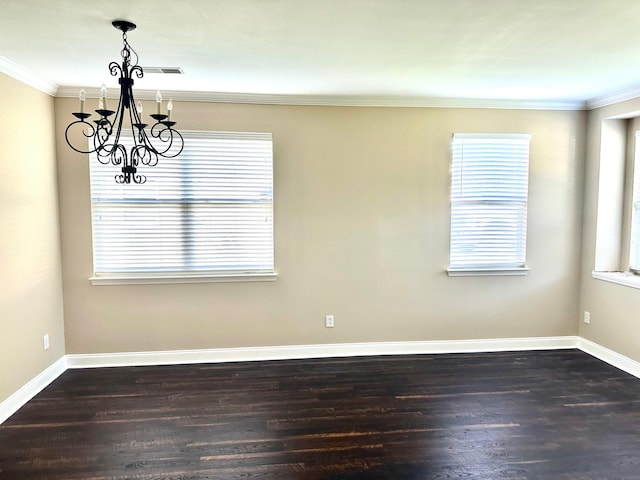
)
(542, 50)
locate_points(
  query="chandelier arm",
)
(100, 139)
(166, 135)
(141, 152)
(161, 140)
(115, 69)
(145, 156)
(119, 121)
(91, 129)
(104, 156)
(119, 155)
(137, 69)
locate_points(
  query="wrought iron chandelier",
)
(161, 140)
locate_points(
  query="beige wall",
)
(30, 278)
(362, 232)
(614, 308)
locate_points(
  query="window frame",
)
(614, 198)
(634, 209)
(198, 275)
(507, 268)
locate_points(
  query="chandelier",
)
(104, 134)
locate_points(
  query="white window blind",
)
(489, 201)
(207, 211)
(634, 250)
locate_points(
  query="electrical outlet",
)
(45, 342)
(328, 321)
(587, 317)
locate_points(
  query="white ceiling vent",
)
(168, 70)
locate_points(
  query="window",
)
(634, 249)
(206, 214)
(489, 183)
(617, 229)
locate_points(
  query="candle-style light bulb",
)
(103, 96)
(169, 109)
(83, 96)
(139, 107)
(158, 100)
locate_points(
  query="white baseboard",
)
(175, 357)
(609, 356)
(31, 389)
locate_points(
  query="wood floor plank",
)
(513, 415)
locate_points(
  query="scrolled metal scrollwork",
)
(90, 133)
(161, 140)
(167, 135)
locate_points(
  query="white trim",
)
(613, 97)
(337, 100)
(19, 73)
(173, 279)
(176, 357)
(487, 272)
(492, 136)
(27, 77)
(31, 389)
(627, 279)
(609, 356)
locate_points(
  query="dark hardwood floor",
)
(522, 415)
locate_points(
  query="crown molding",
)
(27, 77)
(338, 100)
(613, 97)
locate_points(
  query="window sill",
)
(479, 272)
(149, 279)
(627, 279)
